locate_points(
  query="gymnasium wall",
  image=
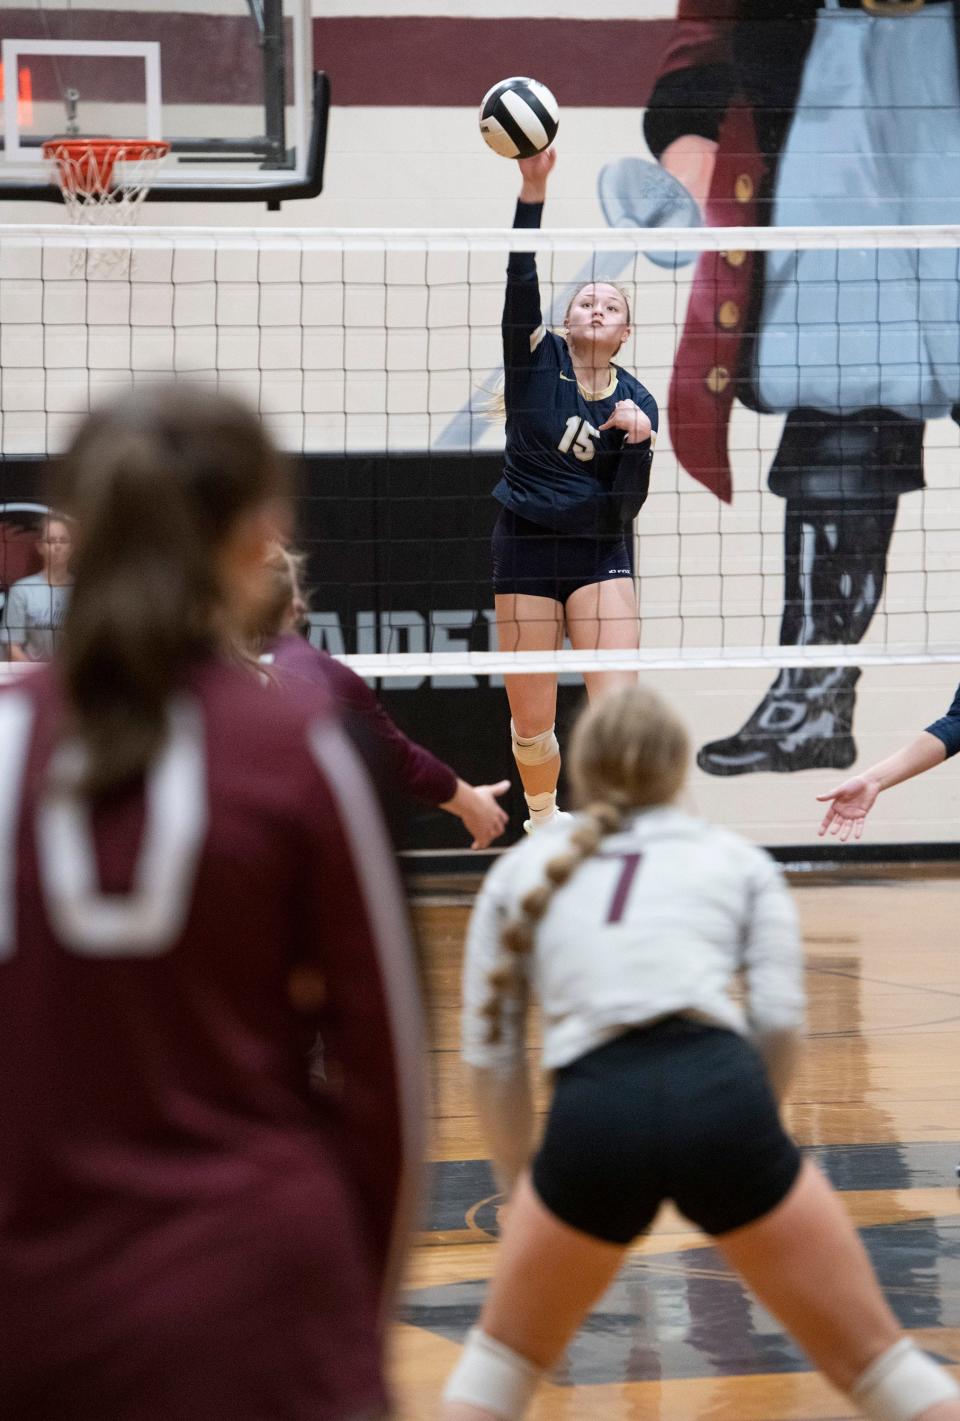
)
(403, 150)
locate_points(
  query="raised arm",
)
(522, 316)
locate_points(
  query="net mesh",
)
(377, 353)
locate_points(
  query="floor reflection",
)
(684, 1315)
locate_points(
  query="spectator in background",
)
(36, 605)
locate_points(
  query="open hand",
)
(849, 805)
(477, 806)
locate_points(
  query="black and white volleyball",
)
(519, 117)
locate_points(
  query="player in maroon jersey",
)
(194, 881)
(416, 771)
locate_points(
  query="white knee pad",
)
(534, 749)
(901, 1384)
(493, 1377)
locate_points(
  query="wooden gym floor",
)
(676, 1338)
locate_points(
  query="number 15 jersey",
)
(560, 470)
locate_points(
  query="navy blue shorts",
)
(678, 1110)
(544, 563)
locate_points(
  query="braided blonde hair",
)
(629, 751)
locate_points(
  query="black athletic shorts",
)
(543, 563)
(677, 1110)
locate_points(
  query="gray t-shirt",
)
(32, 615)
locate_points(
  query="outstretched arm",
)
(849, 803)
(419, 773)
(522, 316)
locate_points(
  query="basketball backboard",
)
(228, 83)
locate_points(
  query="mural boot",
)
(804, 722)
(833, 572)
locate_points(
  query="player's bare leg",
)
(527, 623)
(805, 1262)
(604, 615)
(547, 1279)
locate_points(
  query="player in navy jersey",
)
(194, 883)
(634, 926)
(579, 442)
(413, 769)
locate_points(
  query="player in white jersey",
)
(630, 925)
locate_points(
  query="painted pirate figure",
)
(839, 112)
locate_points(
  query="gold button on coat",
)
(743, 188)
(734, 258)
(728, 315)
(718, 379)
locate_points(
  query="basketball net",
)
(104, 182)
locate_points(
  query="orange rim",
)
(85, 165)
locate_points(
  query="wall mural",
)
(828, 114)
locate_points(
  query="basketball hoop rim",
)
(73, 157)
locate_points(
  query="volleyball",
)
(519, 117)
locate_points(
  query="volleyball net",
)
(821, 361)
